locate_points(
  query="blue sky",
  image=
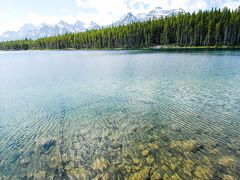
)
(15, 13)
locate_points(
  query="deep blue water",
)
(82, 114)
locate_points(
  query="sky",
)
(15, 13)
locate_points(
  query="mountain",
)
(92, 26)
(27, 29)
(159, 12)
(141, 16)
(79, 26)
(127, 19)
(9, 35)
(154, 14)
(45, 30)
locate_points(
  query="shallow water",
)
(119, 114)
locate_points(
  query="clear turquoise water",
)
(86, 114)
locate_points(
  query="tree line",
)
(215, 27)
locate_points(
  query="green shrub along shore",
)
(209, 29)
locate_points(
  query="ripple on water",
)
(129, 119)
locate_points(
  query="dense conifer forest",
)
(215, 27)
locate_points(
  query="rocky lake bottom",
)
(120, 115)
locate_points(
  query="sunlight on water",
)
(119, 114)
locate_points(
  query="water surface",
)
(119, 114)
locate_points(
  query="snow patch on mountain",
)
(30, 31)
(126, 19)
(92, 26)
(156, 13)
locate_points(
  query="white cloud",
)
(36, 18)
(119, 6)
(104, 8)
(233, 4)
(104, 12)
(2, 14)
(127, 5)
(11, 26)
(108, 11)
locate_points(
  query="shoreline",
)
(153, 48)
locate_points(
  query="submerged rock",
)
(78, 173)
(143, 174)
(65, 158)
(190, 145)
(188, 167)
(137, 164)
(2, 177)
(173, 163)
(25, 162)
(173, 166)
(152, 146)
(138, 167)
(156, 176)
(39, 175)
(116, 146)
(150, 159)
(77, 160)
(175, 128)
(67, 168)
(55, 162)
(165, 168)
(106, 176)
(176, 177)
(141, 147)
(145, 153)
(228, 177)
(46, 144)
(227, 161)
(203, 173)
(206, 161)
(128, 169)
(30, 175)
(100, 164)
(136, 161)
(215, 152)
(166, 177)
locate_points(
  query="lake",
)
(120, 114)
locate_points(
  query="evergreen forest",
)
(215, 27)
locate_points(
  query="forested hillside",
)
(203, 28)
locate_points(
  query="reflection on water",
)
(119, 114)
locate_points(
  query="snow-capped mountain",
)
(27, 28)
(9, 35)
(141, 16)
(79, 26)
(44, 30)
(154, 14)
(127, 19)
(92, 26)
(159, 12)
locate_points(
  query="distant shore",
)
(154, 48)
(193, 47)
